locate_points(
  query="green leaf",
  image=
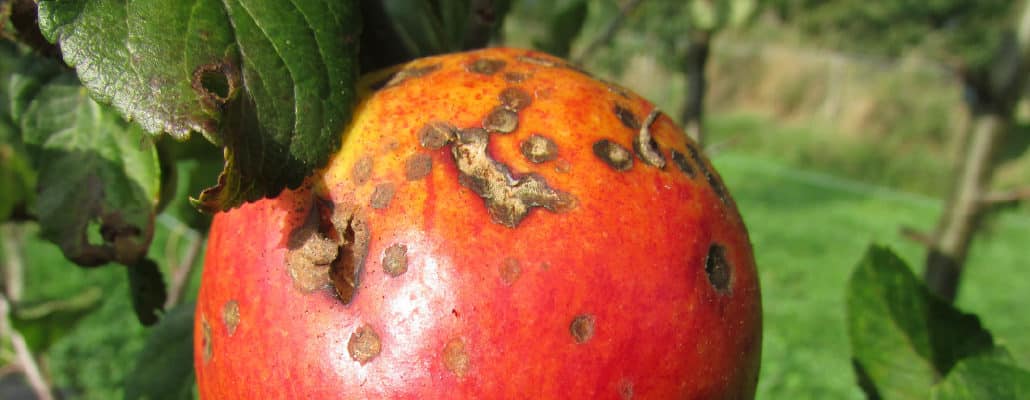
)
(98, 175)
(270, 80)
(17, 178)
(904, 339)
(984, 378)
(164, 369)
(564, 26)
(43, 323)
(147, 289)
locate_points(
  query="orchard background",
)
(836, 124)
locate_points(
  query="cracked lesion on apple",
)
(231, 316)
(329, 249)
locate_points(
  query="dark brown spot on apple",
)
(411, 73)
(682, 163)
(582, 328)
(538, 148)
(515, 99)
(485, 66)
(418, 166)
(231, 316)
(515, 77)
(364, 344)
(501, 120)
(709, 175)
(435, 135)
(538, 60)
(614, 88)
(456, 358)
(382, 195)
(309, 252)
(362, 170)
(614, 155)
(395, 260)
(645, 145)
(205, 338)
(353, 234)
(508, 199)
(627, 117)
(718, 269)
(510, 271)
(216, 83)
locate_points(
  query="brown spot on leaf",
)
(362, 170)
(353, 233)
(216, 83)
(435, 135)
(485, 66)
(515, 99)
(205, 339)
(364, 344)
(510, 271)
(395, 260)
(455, 357)
(231, 316)
(501, 120)
(627, 117)
(614, 155)
(645, 145)
(582, 328)
(382, 195)
(682, 163)
(418, 166)
(538, 148)
(508, 200)
(718, 269)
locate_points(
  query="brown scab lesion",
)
(231, 316)
(508, 199)
(645, 145)
(539, 60)
(538, 148)
(456, 357)
(613, 154)
(382, 195)
(510, 271)
(582, 328)
(710, 177)
(501, 120)
(395, 260)
(325, 252)
(436, 135)
(515, 77)
(362, 170)
(626, 117)
(515, 99)
(485, 66)
(406, 74)
(364, 344)
(205, 339)
(718, 269)
(418, 166)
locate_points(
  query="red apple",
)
(497, 225)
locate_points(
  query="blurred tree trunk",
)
(694, 62)
(991, 96)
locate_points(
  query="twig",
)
(13, 266)
(1011, 196)
(917, 236)
(608, 33)
(24, 356)
(181, 273)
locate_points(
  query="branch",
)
(24, 356)
(918, 236)
(1011, 196)
(608, 33)
(13, 266)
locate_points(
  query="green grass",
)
(809, 231)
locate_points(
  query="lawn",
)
(808, 229)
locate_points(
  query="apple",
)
(498, 224)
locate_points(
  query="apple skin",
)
(603, 282)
